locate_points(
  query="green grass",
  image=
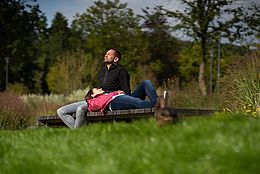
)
(219, 144)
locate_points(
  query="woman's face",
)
(97, 91)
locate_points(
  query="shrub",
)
(243, 84)
(70, 71)
(14, 113)
(48, 104)
(188, 95)
(18, 88)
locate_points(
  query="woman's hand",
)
(120, 92)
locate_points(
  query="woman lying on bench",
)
(99, 101)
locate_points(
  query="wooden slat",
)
(119, 115)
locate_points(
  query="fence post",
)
(6, 72)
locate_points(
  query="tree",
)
(58, 36)
(251, 17)
(189, 60)
(69, 73)
(111, 24)
(203, 21)
(56, 42)
(163, 47)
(21, 27)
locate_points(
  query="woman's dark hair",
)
(88, 95)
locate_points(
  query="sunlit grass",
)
(243, 84)
(219, 144)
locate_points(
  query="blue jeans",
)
(137, 98)
(65, 114)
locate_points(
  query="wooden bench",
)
(118, 115)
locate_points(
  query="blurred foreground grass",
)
(220, 144)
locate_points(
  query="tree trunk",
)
(202, 83)
(201, 80)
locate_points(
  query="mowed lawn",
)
(222, 143)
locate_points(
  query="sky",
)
(69, 8)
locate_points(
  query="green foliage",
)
(14, 113)
(22, 27)
(18, 88)
(143, 72)
(163, 48)
(67, 73)
(107, 24)
(223, 143)
(149, 50)
(242, 84)
(203, 21)
(58, 37)
(91, 70)
(57, 42)
(248, 14)
(189, 61)
(111, 24)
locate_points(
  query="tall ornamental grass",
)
(14, 112)
(188, 96)
(17, 112)
(48, 104)
(243, 84)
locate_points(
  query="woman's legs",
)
(65, 113)
(145, 89)
(81, 118)
(129, 102)
(137, 98)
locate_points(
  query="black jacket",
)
(116, 78)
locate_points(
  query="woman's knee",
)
(60, 112)
(81, 108)
(147, 82)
